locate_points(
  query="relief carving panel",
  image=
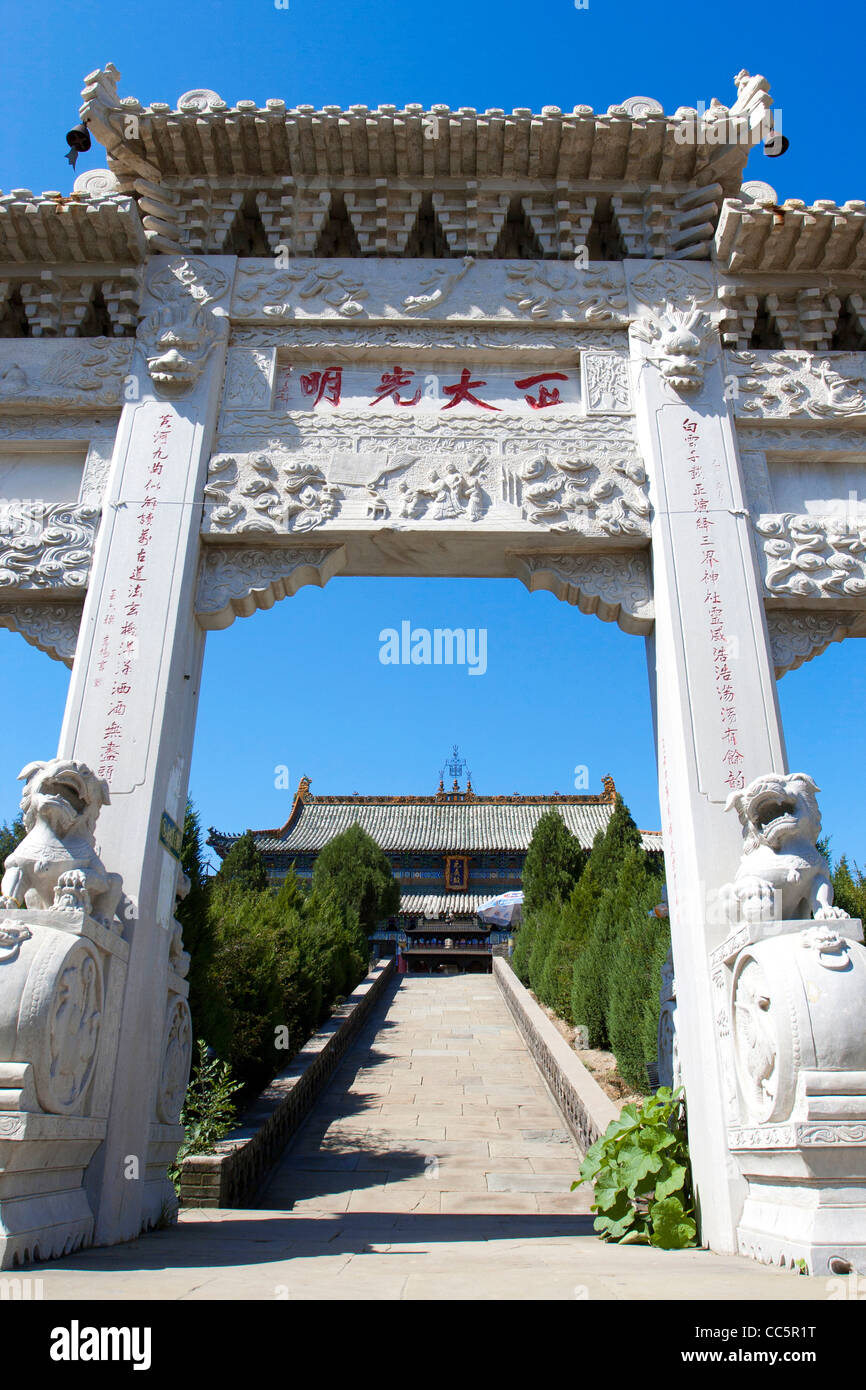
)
(798, 385)
(49, 374)
(349, 471)
(496, 290)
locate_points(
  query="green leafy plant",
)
(208, 1110)
(640, 1171)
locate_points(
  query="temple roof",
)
(205, 136)
(81, 228)
(758, 234)
(433, 824)
(205, 177)
(440, 904)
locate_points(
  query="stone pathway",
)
(437, 1108)
(435, 1165)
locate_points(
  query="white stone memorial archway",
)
(536, 358)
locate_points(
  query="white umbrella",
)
(503, 911)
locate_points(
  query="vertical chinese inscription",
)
(711, 566)
(122, 612)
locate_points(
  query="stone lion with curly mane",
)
(56, 864)
(782, 874)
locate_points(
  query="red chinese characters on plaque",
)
(404, 388)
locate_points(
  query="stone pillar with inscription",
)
(131, 711)
(717, 712)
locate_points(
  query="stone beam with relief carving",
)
(54, 464)
(518, 476)
(501, 292)
(51, 374)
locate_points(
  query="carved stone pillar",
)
(133, 696)
(717, 714)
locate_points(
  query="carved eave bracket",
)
(615, 586)
(236, 581)
(52, 627)
(798, 636)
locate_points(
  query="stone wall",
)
(237, 1170)
(585, 1108)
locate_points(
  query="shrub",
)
(208, 1109)
(641, 1177)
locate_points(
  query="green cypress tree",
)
(207, 1002)
(592, 969)
(849, 889)
(573, 928)
(359, 872)
(291, 896)
(553, 864)
(650, 1019)
(10, 838)
(523, 943)
(246, 969)
(610, 849)
(634, 980)
(547, 919)
(244, 865)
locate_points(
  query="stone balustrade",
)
(585, 1108)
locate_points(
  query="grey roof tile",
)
(443, 827)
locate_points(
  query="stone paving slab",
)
(436, 1165)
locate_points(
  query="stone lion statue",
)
(782, 874)
(56, 864)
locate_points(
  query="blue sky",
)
(302, 685)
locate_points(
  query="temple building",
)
(449, 852)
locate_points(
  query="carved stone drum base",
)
(44, 1212)
(816, 1212)
(61, 981)
(791, 1004)
(160, 1203)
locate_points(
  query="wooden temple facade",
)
(449, 852)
